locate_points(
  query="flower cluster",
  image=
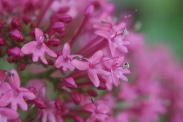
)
(72, 59)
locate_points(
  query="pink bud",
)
(2, 42)
(15, 52)
(70, 83)
(10, 59)
(102, 86)
(92, 93)
(16, 35)
(63, 18)
(15, 24)
(22, 66)
(26, 19)
(63, 9)
(39, 103)
(76, 97)
(78, 118)
(58, 104)
(15, 120)
(53, 42)
(32, 89)
(58, 27)
(89, 11)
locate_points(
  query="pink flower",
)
(92, 66)
(64, 60)
(38, 48)
(16, 95)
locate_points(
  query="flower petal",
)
(29, 47)
(81, 65)
(96, 57)
(93, 77)
(66, 50)
(49, 51)
(39, 35)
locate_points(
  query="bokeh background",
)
(161, 21)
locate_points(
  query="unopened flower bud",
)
(89, 11)
(78, 118)
(39, 103)
(32, 89)
(16, 35)
(92, 93)
(2, 42)
(26, 19)
(53, 42)
(22, 66)
(58, 104)
(102, 86)
(15, 24)
(58, 27)
(70, 83)
(76, 97)
(65, 18)
(15, 52)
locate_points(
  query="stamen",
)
(93, 100)
(46, 37)
(103, 21)
(9, 74)
(124, 32)
(126, 66)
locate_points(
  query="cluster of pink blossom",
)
(71, 57)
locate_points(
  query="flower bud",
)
(3, 76)
(76, 97)
(58, 27)
(2, 42)
(92, 93)
(78, 118)
(15, 52)
(65, 18)
(89, 11)
(70, 83)
(15, 24)
(58, 104)
(32, 89)
(26, 19)
(102, 86)
(16, 35)
(22, 66)
(39, 103)
(53, 42)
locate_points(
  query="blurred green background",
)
(162, 21)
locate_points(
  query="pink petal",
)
(81, 65)
(102, 72)
(39, 35)
(89, 107)
(119, 61)
(104, 34)
(8, 113)
(22, 104)
(15, 80)
(49, 51)
(108, 62)
(114, 78)
(59, 61)
(6, 98)
(43, 59)
(29, 47)
(66, 50)
(27, 94)
(96, 57)
(112, 47)
(93, 77)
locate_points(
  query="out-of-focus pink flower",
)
(7, 114)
